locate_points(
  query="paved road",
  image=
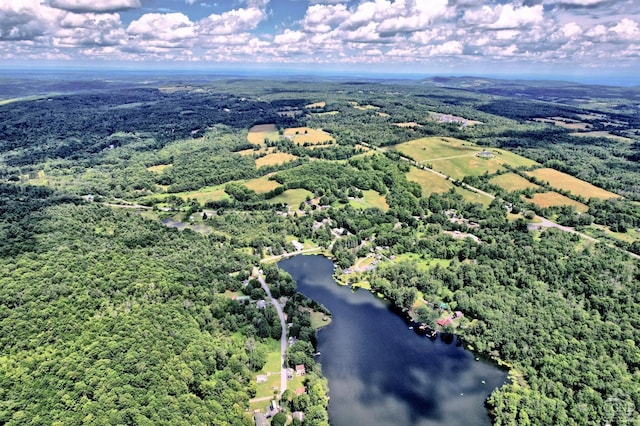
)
(283, 337)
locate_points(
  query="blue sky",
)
(546, 37)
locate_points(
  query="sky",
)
(530, 37)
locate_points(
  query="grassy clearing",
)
(569, 183)
(262, 184)
(371, 198)
(274, 158)
(565, 123)
(302, 135)
(429, 182)
(549, 199)
(327, 113)
(321, 104)
(512, 182)
(601, 134)
(159, 168)
(209, 193)
(363, 107)
(292, 197)
(421, 262)
(258, 133)
(408, 124)
(319, 320)
(431, 148)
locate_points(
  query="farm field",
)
(474, 197)
(371, 198)
(512, 182)
(302, 135)
(567, 182)
(457, 158)
(292, 197)
(565, 123)
(274, 158)
(262, 184)
(550, 199)
(258, 133)
(363, 107)
(321, 104)
(428, 181)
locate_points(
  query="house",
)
(458, 314)
(300, 370)
(261, 304)
(261, 378)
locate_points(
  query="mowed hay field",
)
(321, 104)
(550, 199)
(512, 182)
(428, 181)
(209, 193)
(457, 158)
(569, 183)
(302, 135)
(262, 184)
(260, 132)
(274, 159)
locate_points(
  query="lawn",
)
(292, 197)
(260, 132)
(370, 198)
(262, 184)
(428, 181)
(512, 182)
(302, 135)
(549, 199)
(567, 182)
(274, 158)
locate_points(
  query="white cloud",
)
(26, 19)
(156, 30)
(516, 17)
(233, 21)
(97, 6)
(323, 18)
(90, 30)
(626, 29)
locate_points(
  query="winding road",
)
(283, 337)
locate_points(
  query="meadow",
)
(567, 182)
(258, 133)
(553, 199)
(302, 135)
(512, 182)
(274, 158)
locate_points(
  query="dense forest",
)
(109, 314)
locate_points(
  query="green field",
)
(512, 182)
(457, 158)
(292, 197)
(428, 181)
(208, 193)
(370, 198)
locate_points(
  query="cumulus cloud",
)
(157, 30)
(234, 21)
(26, 19)
(90, 30)
(97, 6)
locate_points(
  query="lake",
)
(379, 371)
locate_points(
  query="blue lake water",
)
(382, 373)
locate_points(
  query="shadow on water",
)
(380, 372)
